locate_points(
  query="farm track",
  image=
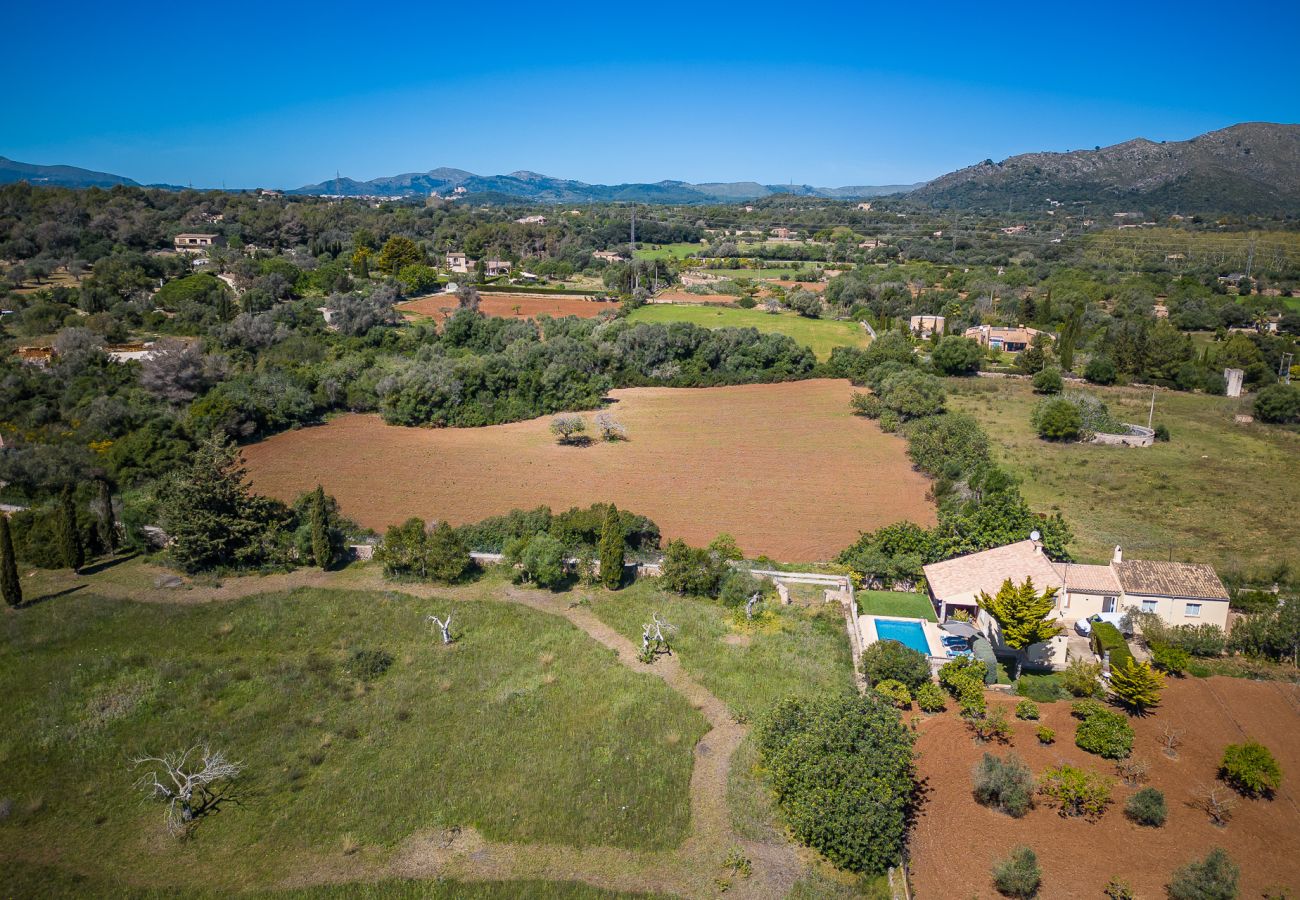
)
(689, 870)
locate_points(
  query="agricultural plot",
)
(1217, 492)
(668, 251)
(784, 468)
(509, 306)
(1079, 857)
(820, 335)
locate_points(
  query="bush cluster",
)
(1075, 791)
(1004, 783)
(1147, 807)
(893, 661)
(1102, 731)
(1251, 769)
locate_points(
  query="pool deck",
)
(933, 636)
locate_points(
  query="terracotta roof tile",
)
(1170, 579)
(1093, 579)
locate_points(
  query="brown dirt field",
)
(503, 306)
(815, 286)
(957, 841)
(784, 468)
(688, 297)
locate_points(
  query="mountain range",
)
(533, 187)
(1253, 167)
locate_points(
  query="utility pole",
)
(1250, 256)
(1284, 368)
(631, 254)
(1152, 414)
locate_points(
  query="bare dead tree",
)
(1216, 801)
(1133, 771)
(654, 638)
(1171, 739)
(191, 790)
(750, 604)
(444, 627)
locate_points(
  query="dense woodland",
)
(242, 349)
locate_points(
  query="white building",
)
(457, 262)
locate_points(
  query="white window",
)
(1148, 606)
(1108, 604)
(1192, 609)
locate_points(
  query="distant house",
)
(531, 220)
(494, 267)
(865, 207)
(1179, 593)
(1014, 229)
(1012, 340)
(609, 256)
(457, 262)
(924, 326)
(197, 243)
(869, 244)
(783, 234)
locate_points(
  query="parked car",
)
(1084, 626)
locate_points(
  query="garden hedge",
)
(1106, 636)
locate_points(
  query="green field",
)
(754, 274)
(895, 603)
(1218, 492)
(667, 251)
(821, 335)
(525, 729)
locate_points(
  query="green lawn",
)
(525, 729)
(821, 335)
(668, 251)
(1218, 492)
(896, 603)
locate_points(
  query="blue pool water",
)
(909, 634)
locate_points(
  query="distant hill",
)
(61, 176)
(533, 187)
(1248, 168)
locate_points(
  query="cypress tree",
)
(107, 521)
(69, 540)
(611, 550)
(10, 587)
(321, 550)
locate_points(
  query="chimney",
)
(1119, 555)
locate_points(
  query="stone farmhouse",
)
(1012, 340)
(924, 326)
(197, 243)
(1180, 593)
(457, 262)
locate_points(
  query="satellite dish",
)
(1035, 536)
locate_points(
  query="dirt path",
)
(690, 870)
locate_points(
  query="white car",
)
(1084, 626)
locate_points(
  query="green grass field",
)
(668, 251)
(896, 603)
(1218, 492)
(525, 729)
(821, 335)
(754, 274)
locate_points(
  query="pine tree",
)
(611, 550)
(74, 555)
(107, 521)
(321, 550)
(1021, 613)
(1136, 685)
(10, 587)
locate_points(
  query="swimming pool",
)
(909, 634)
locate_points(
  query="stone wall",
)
(1138, 436)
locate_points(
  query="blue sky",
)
(282, 94)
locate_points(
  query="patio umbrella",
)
(961, 629)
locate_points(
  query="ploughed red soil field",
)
(815, 286)
(957, 841)
(512, 306)
(784, 468)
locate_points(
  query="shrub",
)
(912, 394)
(1135, 686)
(1278, 403)
(989, 726)
(368, 665)
(1076, 792)
(1162, 432)
(890, 660)
(1041, 688)
(447, 557)
(890, 421)
(1170, 660)
(1026, 709)
(1213, 878)
(1251, 769)
(541, 560)
(1147, 807)
(1048, 381)
(868, 405)
(930, 698)
(1082, 678)
(1118, 889)
(1045, 735)
(957, 355)
(1004, 783)
(1105, 639)
(960, 675)
(1082, 709)
(1058, 420)
(830, 757)
(692, 570)
(1018, 875)
(1106, 733)
(895, 692)
(1100, 370)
